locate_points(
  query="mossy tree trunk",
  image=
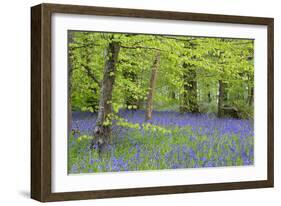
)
(189, 102)
(102, 129)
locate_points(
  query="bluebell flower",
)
(139, 148)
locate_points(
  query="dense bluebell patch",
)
(193, 140)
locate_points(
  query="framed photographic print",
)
(128, 102)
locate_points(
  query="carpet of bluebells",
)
(193, 141)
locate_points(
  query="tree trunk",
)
(185, 103)
(209, 97)
(193, 103)
(250, 95)
(69, 65)
(149, 104)
(102, 130)
(130, 95)
(173, 94)
(190, 103)
(222, 97)
(69, 106)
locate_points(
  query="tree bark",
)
(190, 103)
(222, 97)
(185, 104)
(250, 95)
(69, 106)
(209, 97)
(130, 95)
(69, 65)
(151, 89)
(173, 94)
(102, 131)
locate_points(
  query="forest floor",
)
(169, 141)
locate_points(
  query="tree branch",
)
(85, 45)
(142, 47)
(90, 74)
(178, 39)
(142, 41)
(241, 43)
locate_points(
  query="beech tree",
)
(151, 89)
(102, 129)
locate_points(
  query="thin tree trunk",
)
(221, 98)
(149, 104)
(69, 65)
(69, 106)
(130, 96)
(173, 94)
(185, 103)
(190, 103)
(102, 130)
(193, 103)
(250, 95)
(209, 97)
